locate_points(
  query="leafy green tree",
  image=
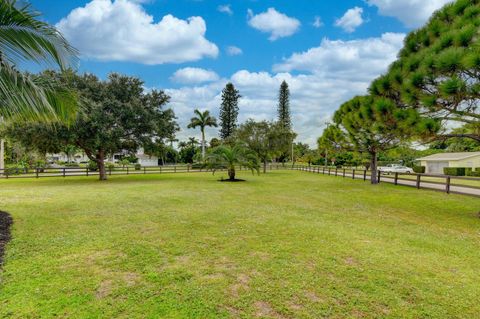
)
(116, 115)
(229, 111)
(331, 141)
(202, 120)
(214, 142)
(459, 144)
(264, 138)
(375, 125)
(188, 150)
(284, 106)
(228, 157)
(26, 39)
(438, 70)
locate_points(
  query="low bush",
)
(419, 169)
(455, 171)
(92, 166)
(473, 173)
(138, 167)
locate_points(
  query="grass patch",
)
(285, 245)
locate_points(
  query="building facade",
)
(434, 164)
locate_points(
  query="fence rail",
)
(448, 184)
(84, 171)
(445, 183)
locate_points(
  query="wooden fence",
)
(448, 184)
(84, 171)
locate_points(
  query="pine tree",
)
(284, 106)
(229, 110)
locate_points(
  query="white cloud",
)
(346, 59)
(317, 22)
(413, 13)
(277, 24)
(226, 8)
(194, 76)
(324, 78)
(233, 50)
(122, 31)
(351, 20)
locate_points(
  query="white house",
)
(80, 157)
(435, 163)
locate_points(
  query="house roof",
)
(449, 156)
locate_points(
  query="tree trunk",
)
(373, 167)
(102, 173)
(264, 166)
(231, 173)
(203, 144)
(2, 156)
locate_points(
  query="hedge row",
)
(461, 171)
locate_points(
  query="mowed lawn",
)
(282, 245)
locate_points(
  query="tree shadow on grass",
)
(5, 222)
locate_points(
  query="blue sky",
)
(328, 51)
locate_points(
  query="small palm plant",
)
(202, 120)
(228, 157)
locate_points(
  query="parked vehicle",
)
(395, 168)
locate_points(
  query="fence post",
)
(344, 173)
(418, 181)
(364, 175)
(36, 172)
(64, 172)
(336, 171)
(448, 185)
(353, 174)
(396, 178)
(86, 171)
(379, 175)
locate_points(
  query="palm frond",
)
(24, 38)
(26, 98)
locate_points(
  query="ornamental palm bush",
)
(227, 157)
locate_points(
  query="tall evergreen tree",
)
(284, 106)
(229, 110)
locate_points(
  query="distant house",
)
(143, 159)
(435, 163)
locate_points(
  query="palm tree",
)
(227, 157)
(202, 120)
(25, 39)
(192, 142)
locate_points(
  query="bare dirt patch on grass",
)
(6, 222)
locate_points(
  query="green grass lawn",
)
(285, 245)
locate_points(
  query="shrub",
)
(138, 167)
(110, 166)
(473, 173)
(92, 166)
(72, 165)
(419, 169)
(454, 171)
